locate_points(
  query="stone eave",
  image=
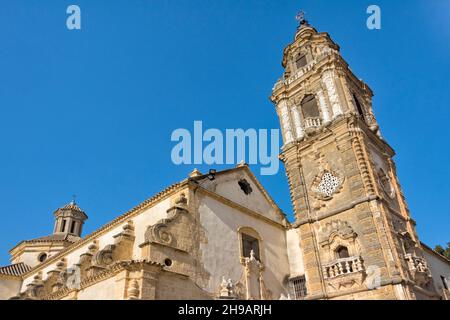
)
(324, 131)
(440, 256)
(164, 194)
(19, 247)
(10, 277)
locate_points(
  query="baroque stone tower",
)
(355, 231)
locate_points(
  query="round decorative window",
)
(168, 262)
(42, 257)
(329, 184)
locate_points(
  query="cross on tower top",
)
(300, 17)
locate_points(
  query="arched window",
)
(42, 257)
(309, 107)
(250, 240)
(342, 252)
(358, 106)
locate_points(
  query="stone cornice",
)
(335, 211)
(113, 270)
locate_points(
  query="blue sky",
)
(91, 112)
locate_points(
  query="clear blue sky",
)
(90, 112)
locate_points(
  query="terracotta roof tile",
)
(16, 269)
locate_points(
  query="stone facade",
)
(351, 215)
(221, 236)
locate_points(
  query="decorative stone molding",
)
(85, 261)
(385, 183)
(121, 250)
(34, 290)
(344, 274)
(159, 232)
(323, 107)
(285, 121)
(255, 288)
(330, 85)
(297, 122)
(418, 268)
(362, 163)
(341, 273)
(336, 231)
(133, 290)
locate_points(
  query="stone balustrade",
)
(312, 123)
(416, 264)
(342, 267)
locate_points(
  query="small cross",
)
(300, 17)
(74, 197)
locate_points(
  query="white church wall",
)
(227, 186)
(9, 287)
(439, 268)
(220, 254)
(30, 256)
(108, 289)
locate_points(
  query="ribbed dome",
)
(72, 206)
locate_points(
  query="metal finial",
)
(74, 197)
(300, 17)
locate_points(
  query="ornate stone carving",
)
(133, 290)
(104, 257)
(361, 156)
(327, 184)
(159, 232)
(297, 122)
(254, 283)
(418, 268)
(335, 230)
(385, 183)
(285, 121)
(323, 107)
(35, 289)
(227, 289)
(345, 273)
(328, 81)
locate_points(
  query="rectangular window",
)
(301, 62)
(250, 243)
(63, 226)
(444, 282)
(72, 227)
(298, 287)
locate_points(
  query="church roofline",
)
(15, 270)
(105, 228)
(172, 189)
(255, 180)
(437, 254)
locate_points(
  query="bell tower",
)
(69, 220)
(355, 231)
